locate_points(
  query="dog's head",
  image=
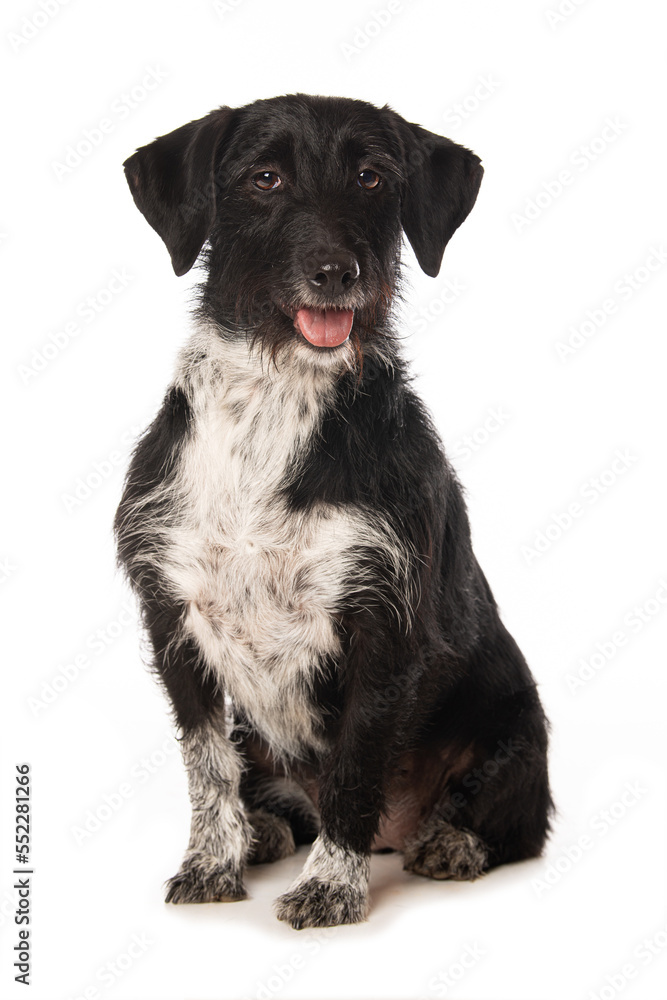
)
(301, 202)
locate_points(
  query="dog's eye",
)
(368, 179)
(266, 180)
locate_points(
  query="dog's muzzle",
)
(333, 274)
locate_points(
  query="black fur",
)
(444, 706)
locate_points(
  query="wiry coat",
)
(297, 539)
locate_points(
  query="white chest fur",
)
(260, 584)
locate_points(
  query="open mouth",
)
(325, 327)
(321, 327)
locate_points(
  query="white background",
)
(536, 93)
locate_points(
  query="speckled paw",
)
(446, 853)
(272, 838)
(314, 903)
(202, 878)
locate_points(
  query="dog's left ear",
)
(173, 183)
(441, 184)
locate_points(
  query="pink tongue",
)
(325, 327)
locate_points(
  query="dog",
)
(298, 542)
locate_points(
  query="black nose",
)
(332, 273)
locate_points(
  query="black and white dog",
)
(297, 540)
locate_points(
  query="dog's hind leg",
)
(281, 816)
(497, 812)
(495, 805)
(280, 812)
(441, 851)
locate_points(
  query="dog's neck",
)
(252, 416)
(234, 368)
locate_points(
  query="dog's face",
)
(302, 202)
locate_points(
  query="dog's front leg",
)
(220, 835)
(333, 886)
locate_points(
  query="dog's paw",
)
(203, 878)
(272, 838)
(314, 903)
(446, 853)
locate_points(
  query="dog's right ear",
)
(173, 184)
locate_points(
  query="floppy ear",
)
(173, 184)
(441, 185)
